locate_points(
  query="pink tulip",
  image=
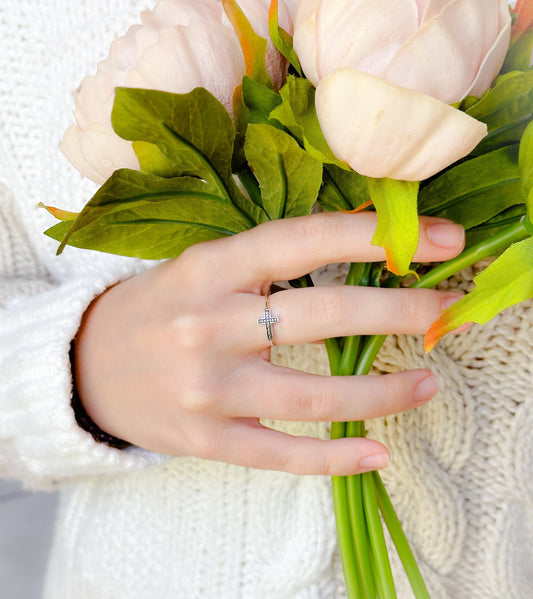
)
(439, 50)
(179, 45)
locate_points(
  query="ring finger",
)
(312, 314)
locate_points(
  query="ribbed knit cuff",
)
(40, 441)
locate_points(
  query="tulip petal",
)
(433, 8)
(362, 34)
(175, 63)
(97, 152)
(443, 57)
(304, 40)
(492, 63)
(382, 130)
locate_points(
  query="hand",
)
(173, 359)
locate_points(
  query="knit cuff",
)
(40, 441)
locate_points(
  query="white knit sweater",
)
(134, 525)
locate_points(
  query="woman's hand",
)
(173, 359)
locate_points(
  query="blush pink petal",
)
(443, 57)
(97, 152)
(183, 12)
(382, 130)
(362, 34)
(491, 65)
(175, 64)
(305, 38)
(433, 8)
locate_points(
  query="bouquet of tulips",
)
(213, 116)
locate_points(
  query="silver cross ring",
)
(268, 320)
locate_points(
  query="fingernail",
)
(374, 462)
(449, 300)
(426, 389)
(445, 234)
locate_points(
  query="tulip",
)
(179, 45)
(403, 62)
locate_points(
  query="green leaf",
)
(476, 190)
(397, 228)
(525, 165)
(495, 225)
(281, 39)
(519, 54)
(506, 109)
(260, 101)
(342, 189)
(193, 132)
(506, 282)
(152, 161)
(145, 216)
(298, 114)
(288, 177)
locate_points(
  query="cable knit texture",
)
(140, 526)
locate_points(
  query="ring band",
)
(268, 320)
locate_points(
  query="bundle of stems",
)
(361, 501)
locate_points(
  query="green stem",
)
(380, 554)
(399, 539)
(488, 247)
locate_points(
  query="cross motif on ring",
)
(268, 320)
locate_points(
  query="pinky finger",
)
(249, 443)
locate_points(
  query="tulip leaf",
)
(342, 189)
(288, 177)
(145, 216)
(494, 225)
(525, 165)
(152, 161)
(476, 190)
(397, 228)
(519, 54)
(193, 132)
(260, 101)
(281, 39)
(298, 114)
(506, 109)
(506, 282)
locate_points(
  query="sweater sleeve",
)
(40, 442)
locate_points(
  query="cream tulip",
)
(180, 45)
(440, 50)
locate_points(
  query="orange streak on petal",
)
(273, 11)
(235, 17)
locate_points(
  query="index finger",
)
(289, 248)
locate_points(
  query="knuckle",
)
(391, 393)
(408, 308)
(320, 403)
(328, 308)
(319, 230)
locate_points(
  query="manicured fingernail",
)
(445, 234)
(426, 389)
(447, 301)
(374, 462)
